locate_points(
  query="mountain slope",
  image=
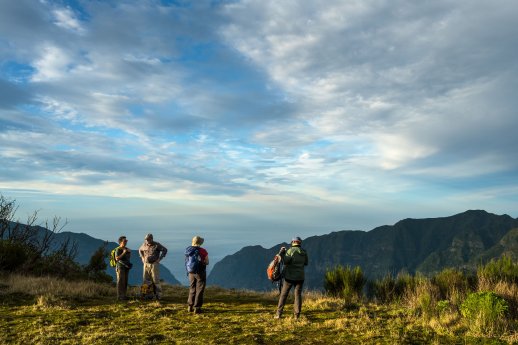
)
(425, 245)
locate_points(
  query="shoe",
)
(296, 316)
(158, 297)
(277, 316)
(190, 309)
(197, 311)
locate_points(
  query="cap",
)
(296, 239)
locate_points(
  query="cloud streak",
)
(357, 103)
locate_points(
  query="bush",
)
(421, 295)
(384, 290)
(451, 284)
(503, 269)
(389, 289)
(485, 313)
(345, 282)
(13, 255)
(96, 268)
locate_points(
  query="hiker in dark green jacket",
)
(295, 260)
(122, 257)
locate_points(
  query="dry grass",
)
(48, 311)
(50, 286)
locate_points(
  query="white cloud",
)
(65, 18)
(396, 74)
(52, 64)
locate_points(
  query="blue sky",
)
(249, 122)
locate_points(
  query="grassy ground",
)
(46, 311)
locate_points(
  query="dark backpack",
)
(192, 260)
(274, 270)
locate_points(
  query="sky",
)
(250, 122)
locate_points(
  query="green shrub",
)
(503, 269)
(443, 306)
(345, 282)
(384, 290)
(404, 283)
(389, 289)
(450, 283)
(13, 254)
(485, 313)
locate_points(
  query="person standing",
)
(152, 253)
(196, 261)
(295, 260)
(122, 257)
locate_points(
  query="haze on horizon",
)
(249, 122)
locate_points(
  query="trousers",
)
(286, 287)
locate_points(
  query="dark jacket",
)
(295, 259)
(124, 261)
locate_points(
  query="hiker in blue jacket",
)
(295, 260)
(196, 261)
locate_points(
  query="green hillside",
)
(411, 245)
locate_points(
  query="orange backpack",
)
(274, 270)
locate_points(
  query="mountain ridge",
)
(426, 245)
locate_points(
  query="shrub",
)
(96, 268)
(485, 312)
(384, 290)
(443, 306)
(389, 289)
(405, 283)
(422, 296)
(503, 269)
(13, 254)
(345, 282)
(452, 284)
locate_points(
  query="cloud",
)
(396, 74)
(341, 102)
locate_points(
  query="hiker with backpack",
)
(152, 253)
(196, 261)
(295, 259)
(121, 255)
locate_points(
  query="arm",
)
(163, 252)
(119, 255)
(141, 254)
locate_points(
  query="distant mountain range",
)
(413, 245)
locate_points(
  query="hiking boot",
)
(190, 309)
(296, 316)
(197, 311)
(277, 316)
